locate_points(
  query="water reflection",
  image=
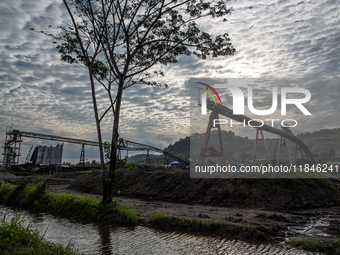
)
(108, 239)
(104, 231)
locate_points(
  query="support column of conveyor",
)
(205, 152)
(225, 111)
(12, 147)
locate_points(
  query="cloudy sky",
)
(39, 93)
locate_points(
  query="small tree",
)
(121, 43)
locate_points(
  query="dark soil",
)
(178, 187)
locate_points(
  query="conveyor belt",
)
(225, 111)
(129, 145)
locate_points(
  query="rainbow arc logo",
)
(208, 92)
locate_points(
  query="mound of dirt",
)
(10, 177)
(177, 186)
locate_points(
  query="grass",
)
(161, 218)
(316, 182)
(326, 183)
(166, 220)
(314, 245)
(38, 198)
(15, 238)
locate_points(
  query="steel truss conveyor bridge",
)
(14, 138)
(133, 146)
(283, 134)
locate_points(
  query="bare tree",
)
(124, 42)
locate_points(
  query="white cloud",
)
(279, 39)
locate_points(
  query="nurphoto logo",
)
(239, 103)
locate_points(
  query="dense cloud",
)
(39, 93)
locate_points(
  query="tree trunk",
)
(109, 182)
(99, 134)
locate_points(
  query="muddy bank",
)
(176, 186)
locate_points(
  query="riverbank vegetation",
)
(159, 219)
(15, 238)
(36, 197)
(314, 245)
